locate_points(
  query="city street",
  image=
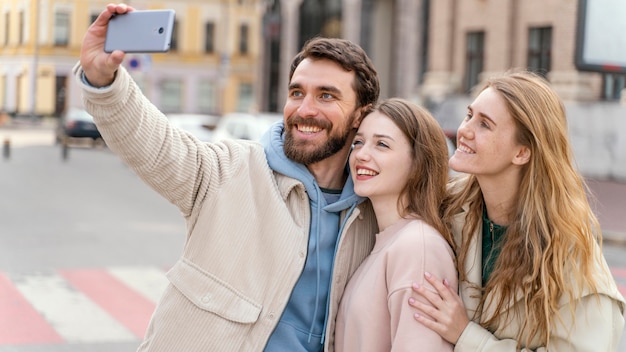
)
(85, 244)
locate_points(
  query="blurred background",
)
(233, 56)
(84, 244)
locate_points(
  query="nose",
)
(361, 152)
(466, 130)
(308, 106)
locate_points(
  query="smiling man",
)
(274, 229)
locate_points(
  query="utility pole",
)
(33, 76)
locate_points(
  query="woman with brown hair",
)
(531, 271)
(399, 161)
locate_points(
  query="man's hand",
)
(100, 67)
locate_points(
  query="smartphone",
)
(140, 31)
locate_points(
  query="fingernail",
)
(445, 282)
(417, 315)
(411, 300)
(427, 274)
(416, 285)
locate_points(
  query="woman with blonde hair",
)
(399, 161)
(532, 275)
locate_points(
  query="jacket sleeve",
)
(410, 257)
(597, 327)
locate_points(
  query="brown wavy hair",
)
(548, 251)
(425, 190)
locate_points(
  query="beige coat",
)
(598, 324)
(247, 228)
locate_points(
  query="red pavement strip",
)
(123, 303)
(20, 323)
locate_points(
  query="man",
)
(274, 230)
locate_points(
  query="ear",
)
(523, 156)
(361, 113)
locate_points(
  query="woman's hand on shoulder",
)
(446, 313)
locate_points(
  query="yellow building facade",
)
(211, 67)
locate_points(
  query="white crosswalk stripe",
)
(148, 281)
(69, 312)
(72, 313)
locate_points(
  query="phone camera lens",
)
(161, 30)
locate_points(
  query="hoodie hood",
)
(273, 141)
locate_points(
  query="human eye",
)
(296, 93)
(357, 143)
(469, 115)
(327, 96)
(382, 144)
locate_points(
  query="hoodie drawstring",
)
(319, 274)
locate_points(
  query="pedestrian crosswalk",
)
(78, 305)
(95, 305)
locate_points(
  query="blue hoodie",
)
(302, 325)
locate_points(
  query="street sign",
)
(601, 36)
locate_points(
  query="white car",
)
(244, 125)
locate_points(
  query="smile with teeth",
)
(465, 149)
(366, 172)
(308, 129)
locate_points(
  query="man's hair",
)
(349, 56)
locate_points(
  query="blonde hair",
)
(548, 251)
(425, 189)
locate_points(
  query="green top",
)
(492, 234)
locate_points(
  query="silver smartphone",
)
(140, 31)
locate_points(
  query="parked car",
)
(244, 125)
(76, 123)
(200, 125)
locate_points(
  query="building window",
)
(474, 57)
(174, 42)
(613, 86)
(243, 39)
(246, 98)
(61, 28)
(209, 37)
(207, 97)
(171, 95)
(539, 50)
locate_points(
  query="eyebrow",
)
(329, 89)
(483, 115)
(377, 135)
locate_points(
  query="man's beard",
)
(297, 151)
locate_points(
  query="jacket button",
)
(271, 315)
(301, 254)
(206, 299)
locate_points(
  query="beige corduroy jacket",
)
(597, 325)
(247, 228)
